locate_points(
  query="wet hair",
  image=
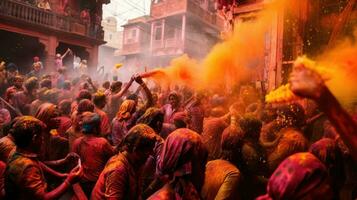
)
(85, 105)
(133, 97)
(151, 117)
(251, 127)
(51, 96)
(84, 94)
(46, 83)
(115, 86)
(24, 129)
(90, 123)
(139, 138)
(99, 99)
(231, 144)
(65, 107)
(106, 85)
(31, 83)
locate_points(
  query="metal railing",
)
(30, 14)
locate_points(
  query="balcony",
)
(173, 7)
(203, 14)
(21, 12)
(169, 46)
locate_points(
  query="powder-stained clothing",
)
(290, 142)
(113, 105)
(169, 113)
(22, 101)
(72, 135)
(197, 114)
(64, 124)
(94, 153)
(24, 178)
(221, 181)
(7, 148)
(118, 180)
(119, 130)
(211, 136)
(183, 154)
(104, 122)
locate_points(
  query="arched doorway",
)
(20, 50)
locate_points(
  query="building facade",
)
(174, 28)
(109, 52)
(304, 27)
(34, 31)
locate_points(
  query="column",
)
(162, 32)
(50, 44)
(183, 31)
(93, 59)
(152, 35)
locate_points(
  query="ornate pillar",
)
(183, 31)
(50, 44)
(93, 58)
(162, 32)
(151, 36)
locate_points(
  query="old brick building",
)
(27, 31)
(174, 27)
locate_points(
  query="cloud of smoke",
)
(229, 62)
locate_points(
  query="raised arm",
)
(65, 54)
(307, 83)
(125, 89)
(149, 101)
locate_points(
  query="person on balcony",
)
(85, 18)
(44, 4)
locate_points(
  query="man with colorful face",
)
(119, 179)
(24, 177)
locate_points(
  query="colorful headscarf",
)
(46, 113)
(126, 109)
(300, 176)
(151, 117)
(139, 137)
(181, 148)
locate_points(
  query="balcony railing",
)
(205, 15)
(167, 43)
(32, 15)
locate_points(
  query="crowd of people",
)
(68, 137)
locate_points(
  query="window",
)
(131, 35)
(110, 36)
(158, 33)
